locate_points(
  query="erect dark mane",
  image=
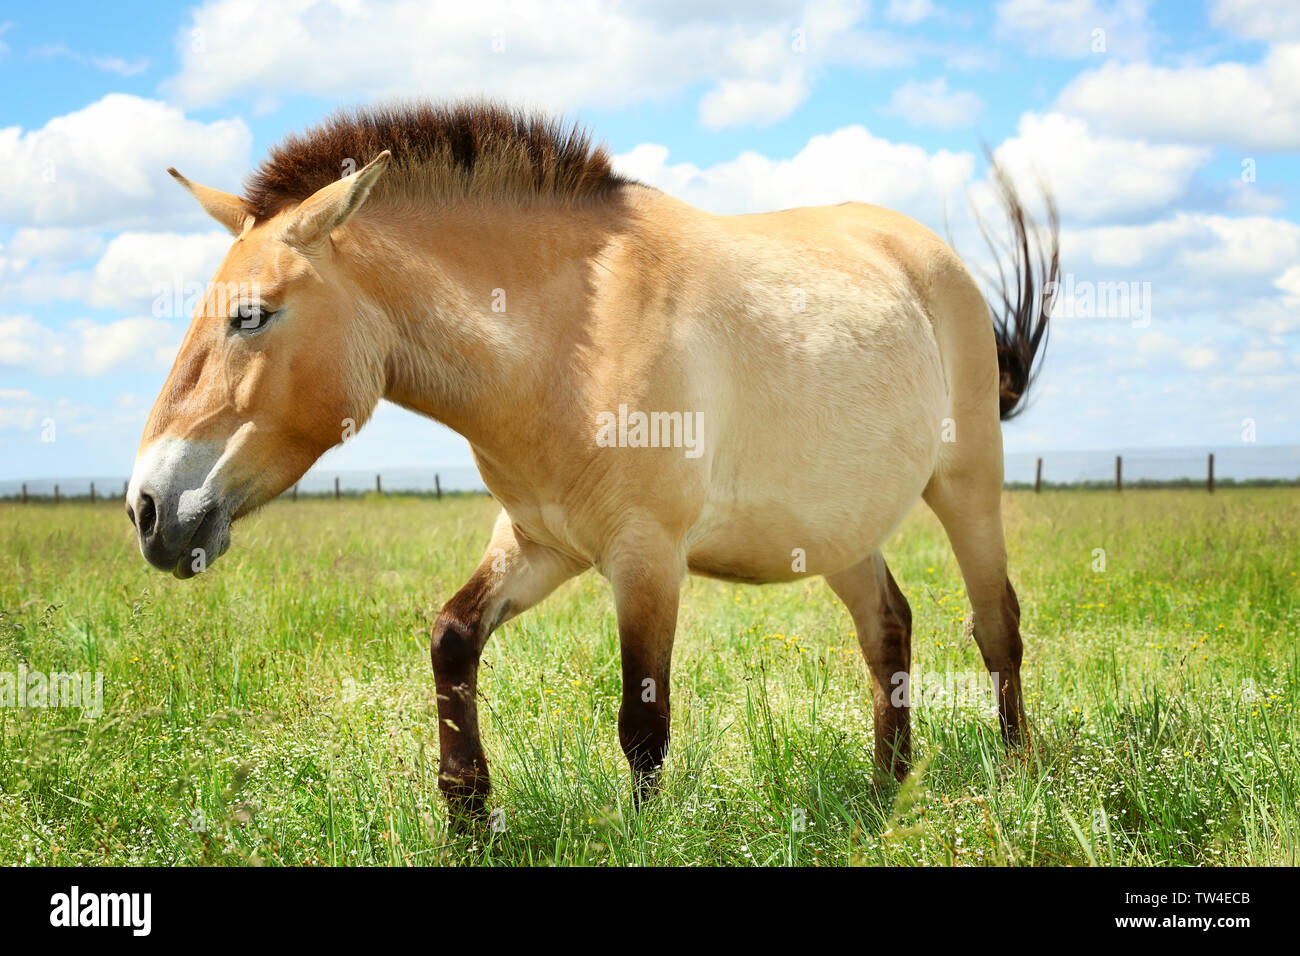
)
(440, 151)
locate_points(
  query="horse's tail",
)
(1021, 309)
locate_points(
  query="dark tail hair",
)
(1021, 310)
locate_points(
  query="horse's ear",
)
(229, 210)
(330, 206)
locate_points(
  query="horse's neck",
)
(485, 305)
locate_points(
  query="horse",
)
(647, 389)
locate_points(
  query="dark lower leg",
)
(889, 656)
(884, 624)
(455, 650)
(644, 723)
(1000, 644)
(646, 579)
(514, 574)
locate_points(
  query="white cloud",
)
(1198, 356)
(26, 344)
(115, 64)
(109, 64)
(756, 60)
(740, 102)
(910, 11)
(1233, 269)
(1096, 177)
(20, 410)
(1218, 247)
(87, 348)
(129, 274)
(38, 265)
(1109, 386)
(848, 164)
(1271, 20)
(1067, 28)
(139, 342)
(1253, 199)
(933, 104)
(53, 245)
(1161, 345)
(1252, 107)
(1289, 283)
(1261, 361)
(105, 165)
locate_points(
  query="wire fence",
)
(1245, 465)
(317, 483)
(1163, 467)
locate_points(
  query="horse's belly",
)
(814, 483)
(820, 525)
(751, 548)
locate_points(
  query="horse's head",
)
(276, 368)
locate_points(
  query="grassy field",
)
(278, 709)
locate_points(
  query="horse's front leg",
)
(646, 574)
(514, 574)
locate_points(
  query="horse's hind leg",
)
(967, 498)
(883, 621)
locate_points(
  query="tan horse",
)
(648, 389)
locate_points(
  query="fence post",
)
(437, 486)
(1209, 478)
(379, 488)
(336, 487)
(56, 494)
(1119, 473)
(92, 492)
(24, 492)
(295, 491)
(124, 487)
(1038, 477)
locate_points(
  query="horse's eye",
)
(251, 318)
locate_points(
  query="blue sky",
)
(1169, 132)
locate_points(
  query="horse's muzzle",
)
(173, 539)
(180, 520)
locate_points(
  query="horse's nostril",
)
(148, 515)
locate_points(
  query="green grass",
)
(278, 709)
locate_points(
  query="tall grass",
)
(278, 709)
